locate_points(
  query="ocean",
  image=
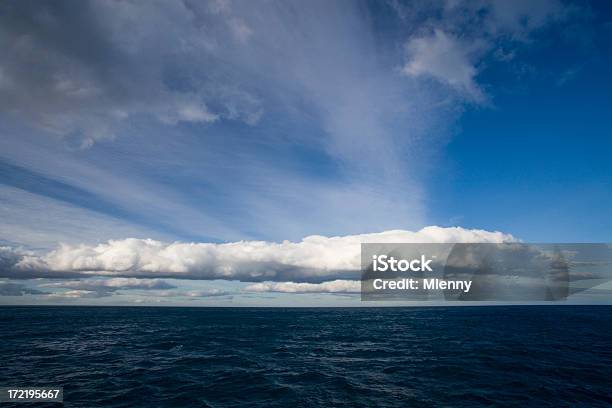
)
(301, 357)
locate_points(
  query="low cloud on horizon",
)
(314, 259)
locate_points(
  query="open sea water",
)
(383, 357)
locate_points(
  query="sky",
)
(236, 153)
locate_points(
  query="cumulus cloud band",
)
(314, 259)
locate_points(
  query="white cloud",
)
(336, 286)
(77, 294)
(447, 59)
(314, 259)
(202, 293)
(461, 33)
(195, 112)
(92, 288)
(111, 285)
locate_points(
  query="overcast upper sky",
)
(237, 152)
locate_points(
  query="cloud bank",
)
(100, 288)
(17, 289)
(335, 286)
(314, 259)
(111, 285)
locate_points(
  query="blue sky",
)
(537, 163)
(228, 121)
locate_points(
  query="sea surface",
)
(240, 357)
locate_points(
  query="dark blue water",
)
(462, 356)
